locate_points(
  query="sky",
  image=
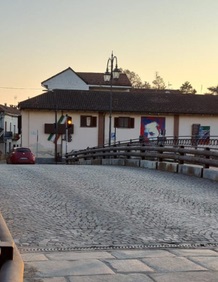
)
(40, 38)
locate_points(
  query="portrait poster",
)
(152, 127)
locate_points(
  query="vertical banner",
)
(152, 127)
(200, 134)
(204, 134)
(51, 137)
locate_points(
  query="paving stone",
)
(170, 264)
(61, 208)
(43, 242)
(185, 277)
(194, 252)
(79, 255)
(33, 257)
(129, 265)
(208, 262)
(70, 206)
(69, 268)
(141, 253)
(112, 278)
(55, 279)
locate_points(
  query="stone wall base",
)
(188, 169)
(192, 170)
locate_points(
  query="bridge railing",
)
(11, 263)
(180, 150)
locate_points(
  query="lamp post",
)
(56, 124)
(66, 132)
(110, 74)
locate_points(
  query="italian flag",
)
(51, 137)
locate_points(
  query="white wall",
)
(33, 135)
(185, 124)
(83, 137)
(66, 80)
(133, 133)
(12, 125)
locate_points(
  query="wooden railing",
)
(180, 150)
(11, 263)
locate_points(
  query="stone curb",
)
(191, 170)
(123, 265)
(11, 270)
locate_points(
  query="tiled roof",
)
(98, 79)
(92, 78)
(158, 91)
(131, 102)
(9, 110)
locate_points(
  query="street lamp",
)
(56, 125)
(109, 75)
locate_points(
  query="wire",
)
(19, 88)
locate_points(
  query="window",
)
(124, 122)
(22, 150)
(88, 121)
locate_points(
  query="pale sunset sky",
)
(40, 38)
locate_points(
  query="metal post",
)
(111, 98)
(37, 143)
(110, 113)
(56, 134)
(66, 133)
(109, 76)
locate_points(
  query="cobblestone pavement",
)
(58, 206)
(60, 217)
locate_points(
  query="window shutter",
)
(94, 122)
(195, 129)
(88, 121)
(131, 122)
(83, 121)
(116, 122)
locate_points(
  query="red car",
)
(21, 155)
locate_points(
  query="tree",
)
(213, 89)
(158, 82)
(146, 85)
(134, 78)
(137, 82)
(187, 88)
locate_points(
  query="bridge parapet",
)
(11, 263)
(193, 160)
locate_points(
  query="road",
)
(59, 206)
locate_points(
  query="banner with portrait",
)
(152, 127)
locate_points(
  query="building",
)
(149, 113)
(10, 129)
(68, 79)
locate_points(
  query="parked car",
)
(21, 155)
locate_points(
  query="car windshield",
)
(22, 150)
